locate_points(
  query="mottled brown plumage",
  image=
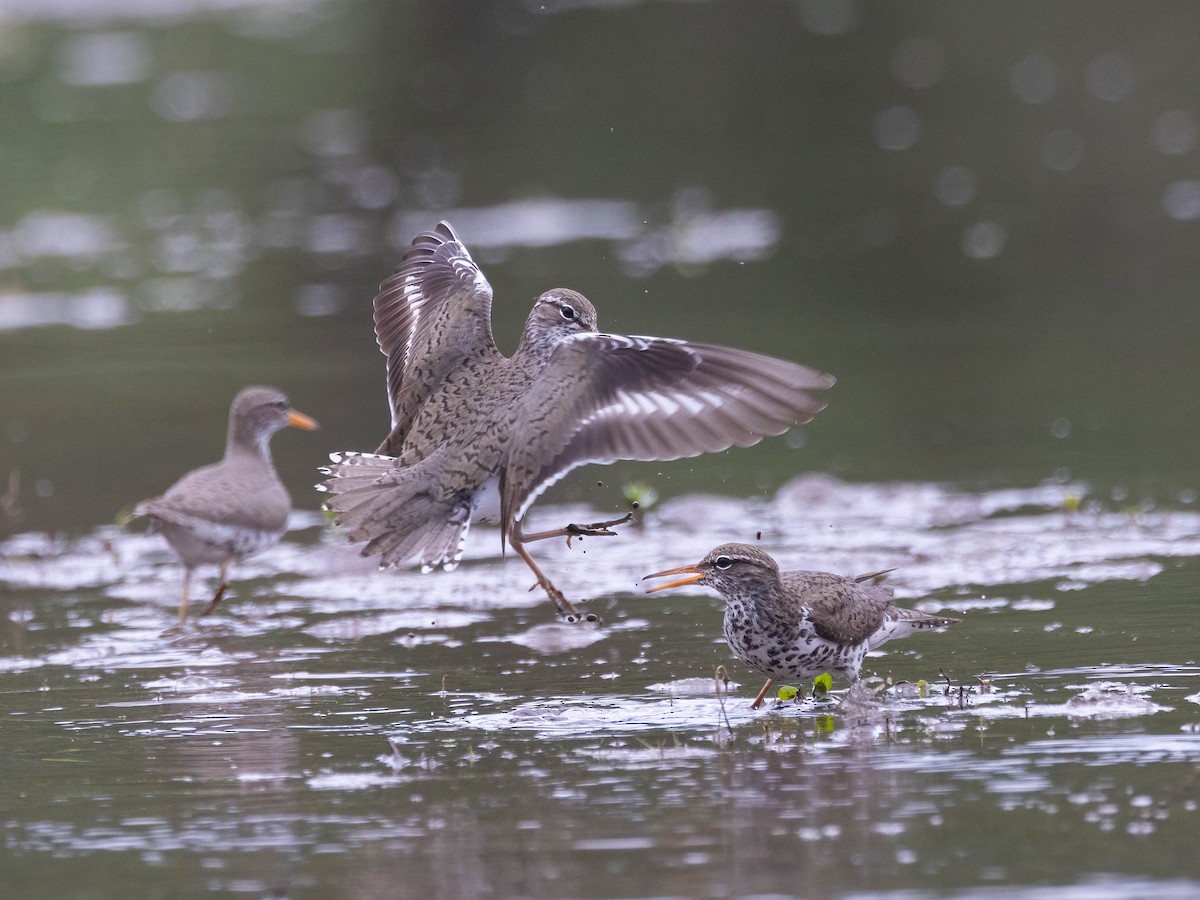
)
(476, 434)
(222, 513)
(796, 625)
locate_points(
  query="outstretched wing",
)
(605, 397)
(432, 313)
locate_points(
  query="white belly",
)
(485, 505)
(212, 542)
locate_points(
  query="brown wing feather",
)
(433, 312)
(222, 494)
(846, 610)
(605, 397)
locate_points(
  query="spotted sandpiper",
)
(476, 434)
(796, 625)
(224, 512)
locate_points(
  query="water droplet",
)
(984, 240)
(192, 95)
(1175, 131)
(373, 187)
(319, 300)
(1062, 150)
(955, 186)
(830, 18)
(919, 63)
(104, 58)
(1181, 200)
(1034, 79)
(1110, 77)
(897, 128)
(334, 132)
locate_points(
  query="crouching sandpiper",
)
(797, 625)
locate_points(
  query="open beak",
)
(300, 420)
(691, 574)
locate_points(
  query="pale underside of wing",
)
(434, 312)
(606, 397)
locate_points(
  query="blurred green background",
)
(981, 217)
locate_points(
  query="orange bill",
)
(693, 574)
(300, 420)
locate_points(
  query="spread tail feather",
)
(399, 511)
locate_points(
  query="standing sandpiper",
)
(476, 434)
(224, 512)
(796, 625)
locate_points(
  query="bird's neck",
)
(763, 600)
(242, 444)
(536, 346)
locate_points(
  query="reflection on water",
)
(336, 724)
(93, 308)
(218, 240)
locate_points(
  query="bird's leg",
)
(758, 701)
(565, 608)
(596, 529)
(221, 589)
(183, 598)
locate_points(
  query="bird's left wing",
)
(605, 397)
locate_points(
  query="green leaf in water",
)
(787, 692)
(640, 494)
(823, 683)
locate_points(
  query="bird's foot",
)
(567, 611)
(572, 531)
(212, 604)
(758, 701)
(596, 529)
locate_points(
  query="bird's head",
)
(259, 412)
(730, 568)
(561, 313)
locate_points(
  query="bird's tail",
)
(399, 511)
(899, 622)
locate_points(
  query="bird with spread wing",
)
(480, 435)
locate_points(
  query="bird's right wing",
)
(846, 610)
(431, 314)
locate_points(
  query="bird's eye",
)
(724, 562)
(568, 312)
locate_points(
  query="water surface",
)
(393, 733)
(982, 223)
